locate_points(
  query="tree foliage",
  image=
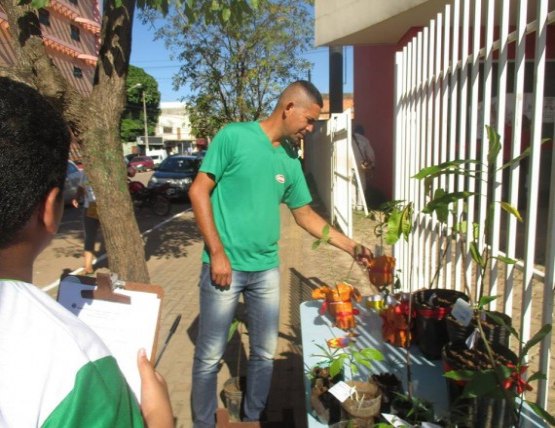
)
(235, 68)
(95, 117)
(132, 121)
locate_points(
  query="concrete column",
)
(336, 79)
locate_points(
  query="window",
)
(167, 129)
(75, 33)
(44, 17)
(77, 72)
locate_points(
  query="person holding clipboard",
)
(54, 370)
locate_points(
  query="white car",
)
(73, 178)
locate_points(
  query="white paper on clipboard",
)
(124, 328)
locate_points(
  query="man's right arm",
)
(199, 195)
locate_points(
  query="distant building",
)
(347, 103)
(71, 34)
(174, 128)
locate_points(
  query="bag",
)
(91, 211)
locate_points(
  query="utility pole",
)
(146, 125)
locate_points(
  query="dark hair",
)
(34, 145)
(311, 91)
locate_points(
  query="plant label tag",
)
(462, 311)
(395, 420)
(341, 391)
(471, 340)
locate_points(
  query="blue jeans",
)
(217, 310)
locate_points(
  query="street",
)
(65, 252)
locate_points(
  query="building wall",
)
(173, 118)
(76, 59)
(373, 99)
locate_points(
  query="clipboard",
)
(125, 315)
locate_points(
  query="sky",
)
(154, 58)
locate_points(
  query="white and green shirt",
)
(54, 371)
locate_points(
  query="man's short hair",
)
(311, 90)
(34, 146)
(307, 89)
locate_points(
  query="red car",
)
(142, 163)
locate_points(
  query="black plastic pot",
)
(494, 332)
(478, 412)
(234, 389)
(390, 385)
(326, 408)
(432, 307)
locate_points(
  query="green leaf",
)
(511, 210)
(486, 300)
(525, 153)
(459, 375)
(37, 4)
(541, 413)
(226, 14)
(232, 329)
(326, 233)
(372, 354)
(506, 260)
(538, 337)
(336, 366)
(494, 145)
(482, 384)
(537, 376)
(445, 200)
(444, 167)
(475, 254)
(442, 211)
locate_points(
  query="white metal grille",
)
(483, 63)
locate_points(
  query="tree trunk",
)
(95, 121)
(103, 151)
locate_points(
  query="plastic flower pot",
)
(479, 412)
(432, 307)
(494, 332)
(234, 389)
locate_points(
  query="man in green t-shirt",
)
(248, 171)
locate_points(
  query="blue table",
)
(428, 382)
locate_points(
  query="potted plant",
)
(487, 382)
(363, 404)
(235, 386)
(501, 378)
(331, 368)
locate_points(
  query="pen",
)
(173, 328)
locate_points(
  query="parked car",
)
(157, 159)
(142, 163)
(130, 156)
(178, 171)
(73, 177)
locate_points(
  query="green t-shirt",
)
(252, 178)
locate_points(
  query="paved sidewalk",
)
(173, 256)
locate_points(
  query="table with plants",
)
(376, 369)
(429, 356)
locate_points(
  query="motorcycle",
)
(154, 198)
